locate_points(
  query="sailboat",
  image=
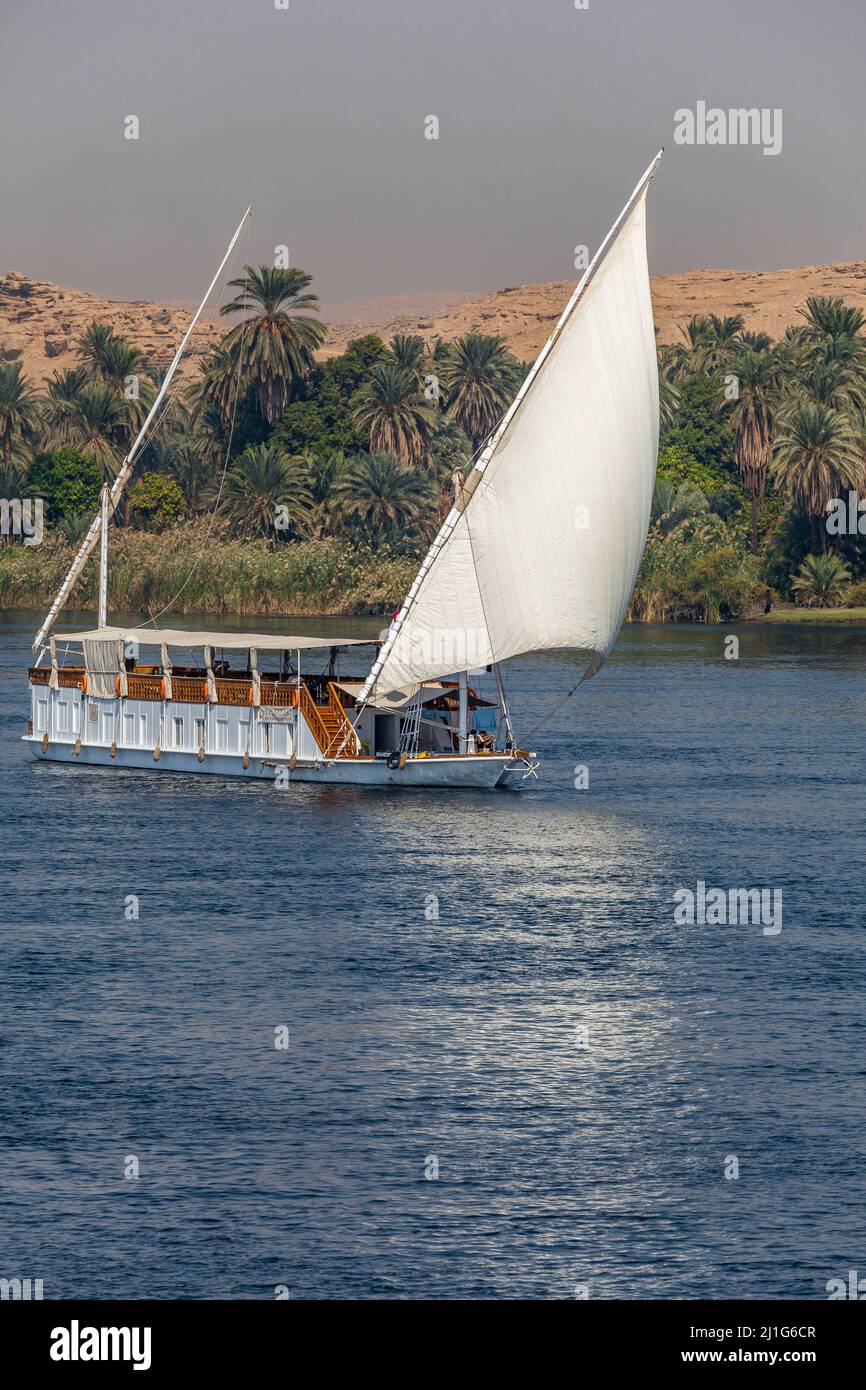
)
(540, 551)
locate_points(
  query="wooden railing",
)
(331, 730)
(350, 744)
(189, 690)
(278, 693)
(139, 687)
(232, 692)
(70, 677)
(310, 711)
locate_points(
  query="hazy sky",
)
(316, 115)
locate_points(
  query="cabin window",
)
(63, 716)
(129, 730)
(222, 735)
(92, 711)
(199, 733)
(243, 735)
(41, 716)
(142, 729)
(107, 726)
(178, 731)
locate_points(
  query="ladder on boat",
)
(411, 726)
(330, 725)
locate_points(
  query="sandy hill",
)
(525, 315)
(40, 323)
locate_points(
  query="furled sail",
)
(543, 548)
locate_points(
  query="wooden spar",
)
(102, 611)
(503, 703)
(125, 473)
(463, 712)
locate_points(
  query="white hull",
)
(478, 771)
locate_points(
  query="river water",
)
(491, 986)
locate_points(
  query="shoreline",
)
(348, 614)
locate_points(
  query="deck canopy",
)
(238, 641)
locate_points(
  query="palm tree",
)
(108, 359)
(669, 396)
(20, 409)
(830, 381)
(123, 372)
(831, 318)
(13, 477)
(97, 425)
(61, 407)
(673, 502)
(816, 459)
(757, 342)
(759, 376)
(92, 348)
(831, 342)
(382, 495)
(447, 449)
(821, 580)
(709, 340)
(188, 465)
(277, 344)
(398, 417)
(409, 351)
(118, 361)
(217, 386)
(681, 359)
(267, 491)
(723, 338)
(481, 376)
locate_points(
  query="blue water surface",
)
(418, 1041)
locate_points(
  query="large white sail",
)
(543, 549)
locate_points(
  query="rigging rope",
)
(551, 712)
(593, 667)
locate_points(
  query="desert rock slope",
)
(40, 323)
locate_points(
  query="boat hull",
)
(474, 771)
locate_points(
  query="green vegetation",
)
(156, 501)
(319, 484)
(276, 483)
(769, 434)
(68, 482)
(821, 581)
(221, 572)
(836, 617)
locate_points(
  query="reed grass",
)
(149, 571)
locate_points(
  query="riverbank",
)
(807, 616)
(192, 570)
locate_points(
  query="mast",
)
(102, 618)
(464, 497)
(503, 703)
(125, 473)
(462, 712)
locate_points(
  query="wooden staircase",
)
(330, 725)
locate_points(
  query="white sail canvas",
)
(547, 549)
